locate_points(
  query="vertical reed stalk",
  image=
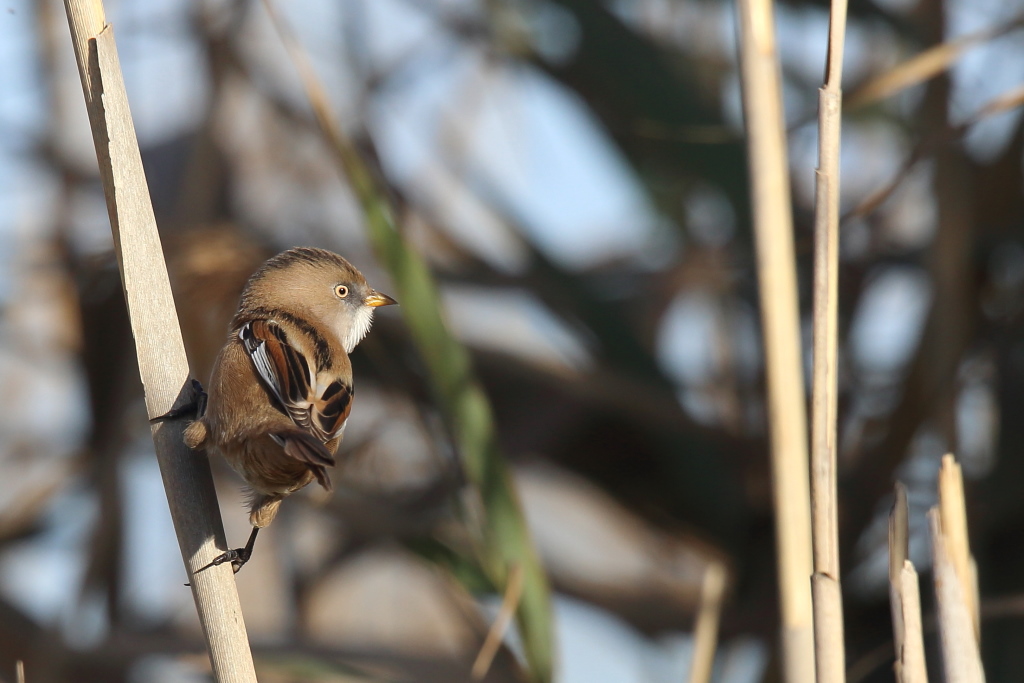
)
(961, 658)
(904, 598)
(162, 363)
(953, 509)
(830, 659)
(776, 267)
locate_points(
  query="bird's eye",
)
(340, 291)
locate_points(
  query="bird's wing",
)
(331, 408)
(319, 407)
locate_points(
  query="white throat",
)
(361, 322)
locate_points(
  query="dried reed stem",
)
(162, 363)
(953, 509)
(830, 658)
(705, 631)
(904, 598)
(960, 656)
(776, 266)
(912, 667)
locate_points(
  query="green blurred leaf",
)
(504, 540)
(314, 668)
(466, 571)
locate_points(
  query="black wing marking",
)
(286, 372)
(332, 409)
(283, 369)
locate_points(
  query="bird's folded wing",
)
(331, 409)
(285, 371)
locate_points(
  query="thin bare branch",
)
(924, 65)
(513, 591)
(1011, 99)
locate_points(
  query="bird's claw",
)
(195, 408)
(237, 558)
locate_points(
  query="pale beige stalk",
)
(961, 658)
(776, 267)
(953, 509)
(162, 363)
(904, 598)
(830, 657)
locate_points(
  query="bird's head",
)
(317, 286)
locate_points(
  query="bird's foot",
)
(195, 408)
(237, 557)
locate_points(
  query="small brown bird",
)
(281, 388)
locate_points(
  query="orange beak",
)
(376, 299)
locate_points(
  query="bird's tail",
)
(307, 449)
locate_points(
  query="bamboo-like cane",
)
(953, 509)
(162, 363)
(912, 665)
(904, 598)
(776, 268)
(960, 656)
(830, 657)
